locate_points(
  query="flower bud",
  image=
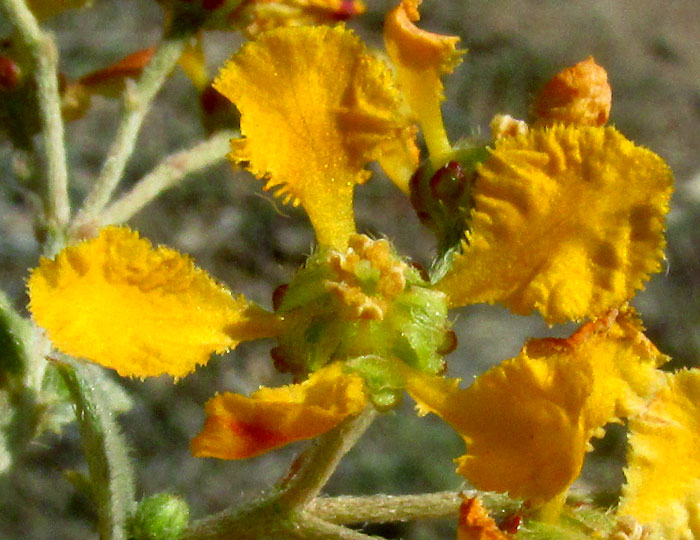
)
(160, 517)
(577, 95)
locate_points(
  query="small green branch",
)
(44, 54)
(137, 101)
(386, 508)
(309, 527)
(167, 174)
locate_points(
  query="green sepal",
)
(307, 285)
(582, 523)
(382, 378)
(417, 324)
(159, 517)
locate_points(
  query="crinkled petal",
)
(568, 221)
(421, 59)
(663, 462)
(316, 108)
(143, 311)
(239, 427)
(527, 422)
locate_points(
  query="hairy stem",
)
(309, 527)
(44, 54)
(167, 174)
(388, 508)
(313, 468)
(137, 101)
(105, 450)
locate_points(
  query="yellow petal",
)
(144, 311)
(568, 221)
(316, 108)
(663, 463)
(239, 427)
(421, 58)
(527, 422)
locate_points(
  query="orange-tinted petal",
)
(568, 221)
(663, 462)
(527, 422)
(475, 522)
(144, 311)
(316, 108)
(577, 95)
(110, 81)
(421, 59)
(239, 427)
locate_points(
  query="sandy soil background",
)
(252, 243)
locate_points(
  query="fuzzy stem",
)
(315, 466)
(385, 508)
(388, 508)
(44, 54)
(309, 527)
(137, 101)
(105, 450)
(167, 174)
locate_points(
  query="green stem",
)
(386, 508)
(314, 467)
(105, 450)
(44, 54)
(137, 101)
(308, 527)
(167, 174)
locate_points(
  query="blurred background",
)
(254, 243)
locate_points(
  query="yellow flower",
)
(567, 220)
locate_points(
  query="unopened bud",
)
(578, 95)
(160, 517)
